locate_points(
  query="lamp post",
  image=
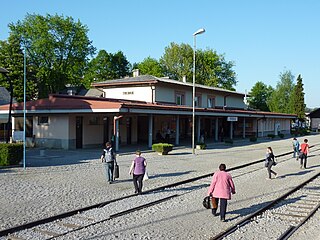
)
(5, 71)
(200, 31)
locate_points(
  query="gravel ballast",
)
(67, 180)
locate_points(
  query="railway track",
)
(78, 219)
(280, 218)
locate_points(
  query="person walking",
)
(304, 152)
(108, 158)
(270, 161)
(138, 169)
(220, 189)
(296, 147)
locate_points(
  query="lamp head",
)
(3, 70)
(200, 31)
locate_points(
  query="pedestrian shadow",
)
(255, 207)
(316, 166)
(173, 174)
(295, 174)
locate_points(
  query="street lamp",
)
(4, 72)
(200, 31)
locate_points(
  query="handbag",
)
(116, 171)
(206, 202)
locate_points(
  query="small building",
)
(143, 110)
(314, 119)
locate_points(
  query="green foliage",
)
(11, 58)
(298, 105)
(162, 148)
(259, 96)
(107, 66)
(229, 141)
(281, 135)
(10, 153)
(150, 66)
(252, 139)
(201, 146)
(57, 47)
(280, 98)
(271, 136)
(177, 61)
(211, 69)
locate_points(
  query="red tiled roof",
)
(65, 102)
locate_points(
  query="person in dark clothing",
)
(108, 158)
(270, 161)
(138, 169)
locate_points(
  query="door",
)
(79, 132)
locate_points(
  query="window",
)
(43, 120)
(197, 101)
(179, 98)
(211, 102)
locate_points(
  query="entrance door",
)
(79, 132)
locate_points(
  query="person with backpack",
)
(138, 169)
(220, 189)
(296, 147)
(108, 157)
(304, 151)
(270, 161)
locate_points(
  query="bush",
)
(271, 136)
(253, 139)
(201, 146)
(162, 148)
(10, 153)
(281, 135)
(228, 140)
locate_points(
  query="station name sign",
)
(232, 119)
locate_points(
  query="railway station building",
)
(142, 110)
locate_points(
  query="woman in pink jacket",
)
(221, 188)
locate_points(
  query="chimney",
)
(184, 79)
(136, 72)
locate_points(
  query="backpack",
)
(108, 155)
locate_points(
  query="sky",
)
(262, 38)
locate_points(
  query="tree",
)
(11, 58)
(211, 69)
(57, 47)
(150, 66)
(298, 100)
(107, 66)
(259, 96)
(280, 98)
(177, 61)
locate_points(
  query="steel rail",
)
(99, 205)
(247, 219)
(293, 229)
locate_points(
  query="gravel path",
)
(66, 180)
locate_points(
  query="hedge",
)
(10, 153)
(162, 148)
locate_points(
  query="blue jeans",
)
(109, 166)
(295, 152)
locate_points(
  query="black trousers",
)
(223, 207)
(270, 164)
(137, 182)
(303, 160)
